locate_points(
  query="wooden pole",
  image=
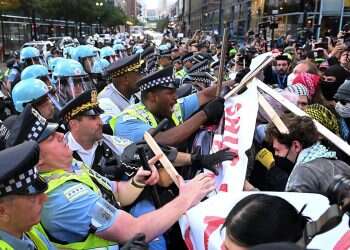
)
(168, 166)
(250, 76)
(272, 114)
(222, 63)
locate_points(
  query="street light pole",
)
(320, 20)
(99, 5)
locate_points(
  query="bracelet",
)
(135, 184)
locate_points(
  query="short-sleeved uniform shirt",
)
(73, 207)
(133, 129)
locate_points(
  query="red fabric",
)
(310, 81)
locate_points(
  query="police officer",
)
(76, 215)
(187, 61)
(119, 94)
(37, 93)
(21, 199)
(159, 101)
(164, 56)
(85, 138)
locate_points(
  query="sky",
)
(150, 4)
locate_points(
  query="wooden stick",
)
(272, 114)
(222, 63)
(250, 76)
(335, 139)
(168, 166)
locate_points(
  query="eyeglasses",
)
(282, 64)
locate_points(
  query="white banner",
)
(236, 132)
(201, 226)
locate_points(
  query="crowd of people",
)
(76, 172)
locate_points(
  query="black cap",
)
(4, 135)
(163, 78)
(200, 57)
(202, 77)
(149, 51)
(84, 104)
(18, 173)
(30, 125)
(200, 67)
(187, 57)
(343, 92)
(125, 65)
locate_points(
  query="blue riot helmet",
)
(120, 50)
(117, 41)
(70, 80)
(86, 55)
(32, 91)
(108, 53)
(98, 74)
(30, 56)
(68, 51)
(100, 66)
(36, 71)
(139, 51)
(136, 48)
(53, 62)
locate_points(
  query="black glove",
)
(214, 110)
(130, 155)
(209, 161)
(136, 243)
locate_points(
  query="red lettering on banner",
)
(187, 239)
(230, 139)
(213, 223)
(232, 110)
(344, 242)
(223, 187)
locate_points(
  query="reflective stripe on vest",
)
(38, 242)
(35, 238)
(181, 73)
(139, 111)
(5, 246)
(57, 178)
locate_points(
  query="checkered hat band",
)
(18, 182)
(164, 81)
(37, 129)
(130, 68)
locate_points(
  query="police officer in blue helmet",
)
(86, 55)
(120, 50)
(98, 75)
(109, 54)
(36, 92)
(70, 80)
(38, 72)
(30, 56)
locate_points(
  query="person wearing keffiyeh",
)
(313, 164)
(310, 81)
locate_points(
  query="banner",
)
(236, 132)
(202, 225)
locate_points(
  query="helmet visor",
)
(88, 64)
(70, 87)
(35, 60)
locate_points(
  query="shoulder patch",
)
(125, 118)
(75, 192)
